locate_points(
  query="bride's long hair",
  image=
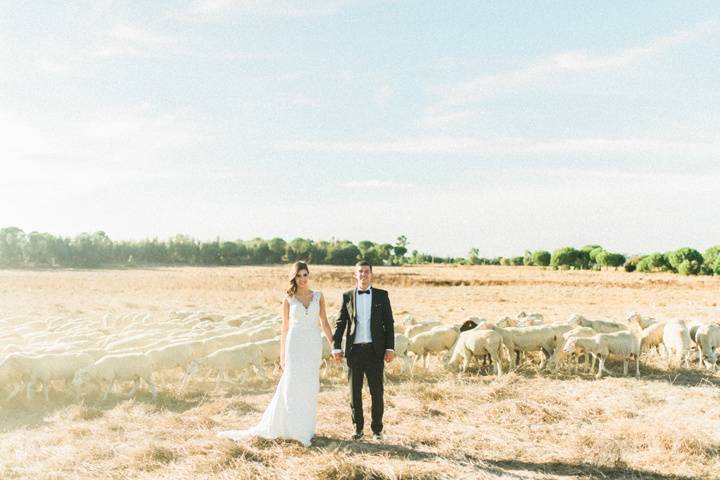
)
(297, 267)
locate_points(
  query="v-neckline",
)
(306, 307)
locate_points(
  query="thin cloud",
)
(216, 9)
(126, 40)
(488, 86)
(377, 185)
(509, 146)
(137, 135)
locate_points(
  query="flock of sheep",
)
(598, 339)
(132, 347)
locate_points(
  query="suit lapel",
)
(353, 296)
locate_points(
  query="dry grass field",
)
(526, 425)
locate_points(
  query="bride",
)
(293, 409)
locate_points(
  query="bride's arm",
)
(284, 330)
(324, 321)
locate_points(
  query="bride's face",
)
(302, 278)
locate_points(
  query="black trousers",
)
(364, 362)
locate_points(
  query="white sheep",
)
(42, 369)
(176, 355)
(599, 326)
(707, 338)
(561, 340)
(419, 328)
(652, 337)
(437, 340)
(476, 343)
(526, 320)
(111, 368)
(237, 358)
(270, 350)
(624, 343)
(676, 339)
(644, 322)
(531, 339)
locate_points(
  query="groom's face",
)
(363, 275)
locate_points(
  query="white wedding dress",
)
(293, 409)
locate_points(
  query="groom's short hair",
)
(363, 263)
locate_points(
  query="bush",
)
(689, 267)
(564, 257)
(653, 263)
(541, 258)
(607, 259)
(631, 264)
(711, 255)
(689, 258)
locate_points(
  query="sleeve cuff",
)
(336, 351)
(389, 350)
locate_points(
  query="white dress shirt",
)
(363, 305)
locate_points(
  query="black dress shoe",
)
(357, 435)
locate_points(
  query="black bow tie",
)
(360, 292)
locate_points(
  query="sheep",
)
(43, 369)
(401, 348)
(110, 368)
(530, 339)
(708, 339)
(562, 340)
(644, 322)
(676, 340)
(692, 327)
(176, 355)
(623, 343)
(434, 341)
(505, 322)
(652, 337)
(526, 320)
(468, 325)
(476, 343)
(419, 328)
(242, 337)
(599, 326)
(239, 357)
(270, 350)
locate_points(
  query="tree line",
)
(94, 250)
(686, 260)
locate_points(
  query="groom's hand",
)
(389, 356)
(337, 356)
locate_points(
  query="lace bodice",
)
(302, 317)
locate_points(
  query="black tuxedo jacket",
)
(382, 329)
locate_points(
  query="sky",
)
(501, 126)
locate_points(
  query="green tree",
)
(527, 258)
(343, 253)
(541, 258)
(36, 249)
(564, 257)
(299, 249)
(631, 264)
(209, 253)
(12, 241)
(607, 259)
(653, 263)
(278, 250)
(710, 256)
(685, 260)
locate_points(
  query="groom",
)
(367, 320)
